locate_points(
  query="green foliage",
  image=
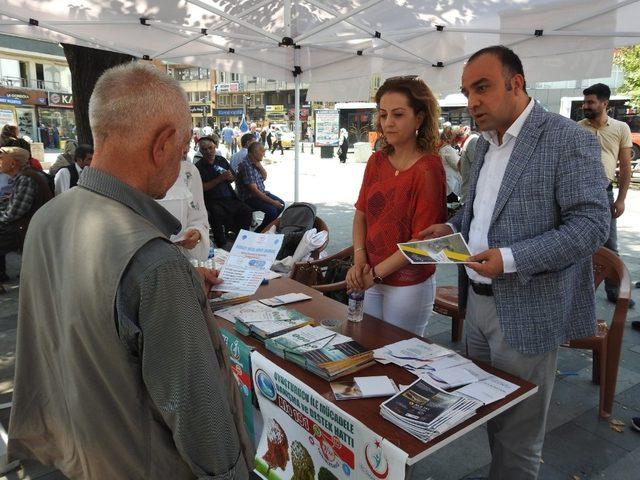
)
(628, 58)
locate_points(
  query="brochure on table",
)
(307, 436)
(249, 262)
(447, 249)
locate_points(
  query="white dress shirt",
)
(489, 183)
(62, 180)
(185, 201)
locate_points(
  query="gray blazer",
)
(552, 210)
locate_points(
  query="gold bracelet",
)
(359, 249)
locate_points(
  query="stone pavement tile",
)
(628, 439)
(626, 378)
(569, 400)
(626, 467)
(438, 324)
(457, 459)
(630, 359)
(575, 451)
(546, 472)
(571, 360)
(630, 398)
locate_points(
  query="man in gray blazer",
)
(537, 211)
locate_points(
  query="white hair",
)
(133, 98)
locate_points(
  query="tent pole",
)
(296, 187)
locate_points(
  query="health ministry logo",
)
(376, 461)
(266, 385)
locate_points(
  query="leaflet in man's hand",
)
(448, 249)
(249, 262)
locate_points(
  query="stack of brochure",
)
(254, 318)
(426, 411)
(324, 352)
(227, 299)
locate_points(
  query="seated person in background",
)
(65, 158)
(241, 155)
(227, 211)
(67, 177)
(251, 189)
(185, 201)
(30, 192)
(22, 143)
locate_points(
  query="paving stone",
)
(628, 439)
(457, 459)
(575, 451)
(626, 467)
(630, 398)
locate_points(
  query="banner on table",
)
(240, 356)
(306, 437)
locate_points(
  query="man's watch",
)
(376, 278)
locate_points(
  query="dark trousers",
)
(9, 242)
(277, 144)
(612, 244)
(228, 214)
(271, 212)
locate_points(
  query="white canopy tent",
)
(338, 46)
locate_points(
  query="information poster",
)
(240, 356)
(7, 115)
(327, 128)
(306, 436)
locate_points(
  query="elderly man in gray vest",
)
(129, 380)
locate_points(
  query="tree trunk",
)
(86, 65)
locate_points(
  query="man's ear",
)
(517, 82)
(161, 144)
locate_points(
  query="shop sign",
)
(228, 112)
(307, 436)
(22, 96)
(199, 108)
(327, 127)
(274, 108)
(228, 87)
(58, 99)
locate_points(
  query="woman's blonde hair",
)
(421, 100)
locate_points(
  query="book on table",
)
(227, 299)
(426, 411)
(323, 352)
(262, 322)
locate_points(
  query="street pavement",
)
(578, 445)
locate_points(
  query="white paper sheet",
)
(376, 386)
(249, 262)
(488, 390)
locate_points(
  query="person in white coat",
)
(450, 159)
(185, 201)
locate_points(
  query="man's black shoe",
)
(635, 423)
(636, 325)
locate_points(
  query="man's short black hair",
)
(82, 151)
(508, 58)
(253, 147)
(600, 90)
(246, 139)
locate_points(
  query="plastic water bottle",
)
(356, 306)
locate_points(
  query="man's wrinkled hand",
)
(488, 263)
(210, 278)
(435, 231)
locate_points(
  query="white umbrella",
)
(338, 46)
